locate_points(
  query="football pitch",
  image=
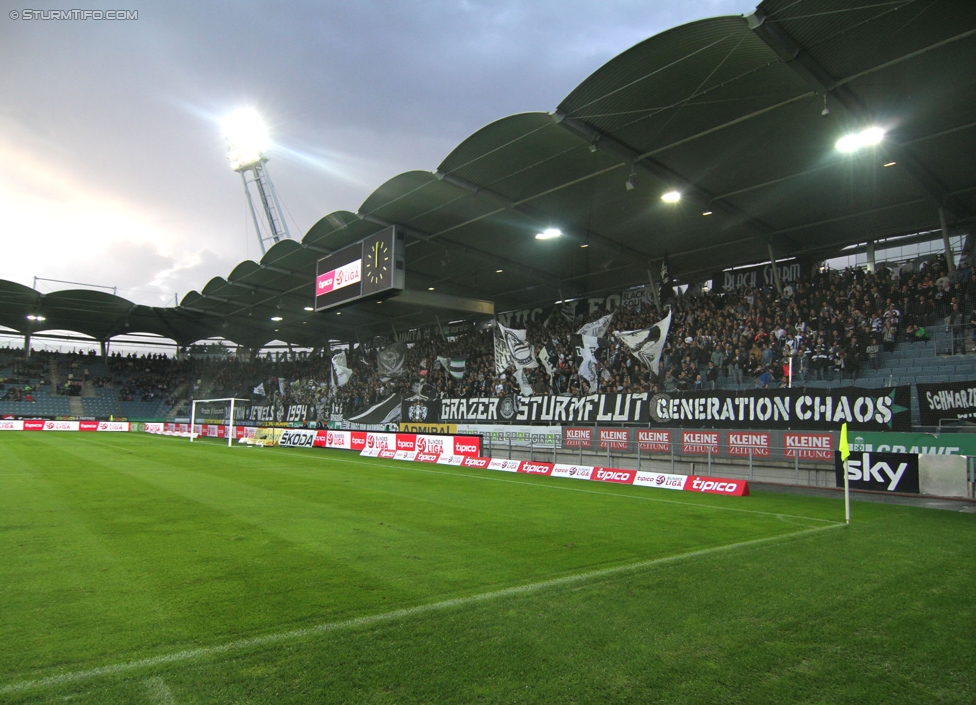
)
(141, 569)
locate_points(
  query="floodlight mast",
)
(247, 150)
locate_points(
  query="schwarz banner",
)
(806, 408)
(880, 472)
(951, 400)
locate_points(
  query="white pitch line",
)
(295, 634)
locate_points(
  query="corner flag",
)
(845, 453)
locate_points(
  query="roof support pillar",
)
(871, 261)
(945, 242)
(27, 339)
(103, 345)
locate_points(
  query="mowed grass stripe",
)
(879, 612)
(312, 462)
(196, 545)
(278, 638)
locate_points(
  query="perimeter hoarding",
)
(919, 443)
(816, 446)
(780, 409)
(879, 472)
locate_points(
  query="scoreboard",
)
(370, 268)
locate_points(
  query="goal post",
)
(229, 419)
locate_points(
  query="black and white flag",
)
(453, 366)
(512, 350)
(588, 364)
(390, 361)
(597, 328)
(549, 358)
(342, 373)
(647, 344)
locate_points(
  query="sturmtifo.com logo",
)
(28, 14)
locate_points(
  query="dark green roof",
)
(726, 110)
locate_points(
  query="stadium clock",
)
(372, 268)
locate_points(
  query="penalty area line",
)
(328, 627)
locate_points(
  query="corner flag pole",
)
(845, 452)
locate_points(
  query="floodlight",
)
(671, 197)
(247, 138)
(32, 317)
(872, 136)
(706, 212)
(548, 234)
(276, 318)
(499, 271)
(865, 138)
(309, 308)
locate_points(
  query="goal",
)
(215, 411)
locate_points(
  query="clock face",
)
(378, 263)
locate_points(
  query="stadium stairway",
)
(76, 407)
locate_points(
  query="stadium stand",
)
(841, 328)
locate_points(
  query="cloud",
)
(114, 166)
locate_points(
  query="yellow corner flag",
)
(845, 448)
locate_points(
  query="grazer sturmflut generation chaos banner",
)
(808, 408)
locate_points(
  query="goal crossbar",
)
(230, 423)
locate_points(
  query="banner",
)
(808, 408)
(382, 412)
(757, 277)
(879, 472)
(261, 414)
(950, 400)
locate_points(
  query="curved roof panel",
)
(725, 110)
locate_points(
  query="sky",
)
(114, 166)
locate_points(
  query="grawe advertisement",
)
(917, 443)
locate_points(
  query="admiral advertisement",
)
(952, 400)
(880, 472)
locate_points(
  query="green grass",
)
(120, 548)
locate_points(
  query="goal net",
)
(214, 418)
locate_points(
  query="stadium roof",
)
(727, 111)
